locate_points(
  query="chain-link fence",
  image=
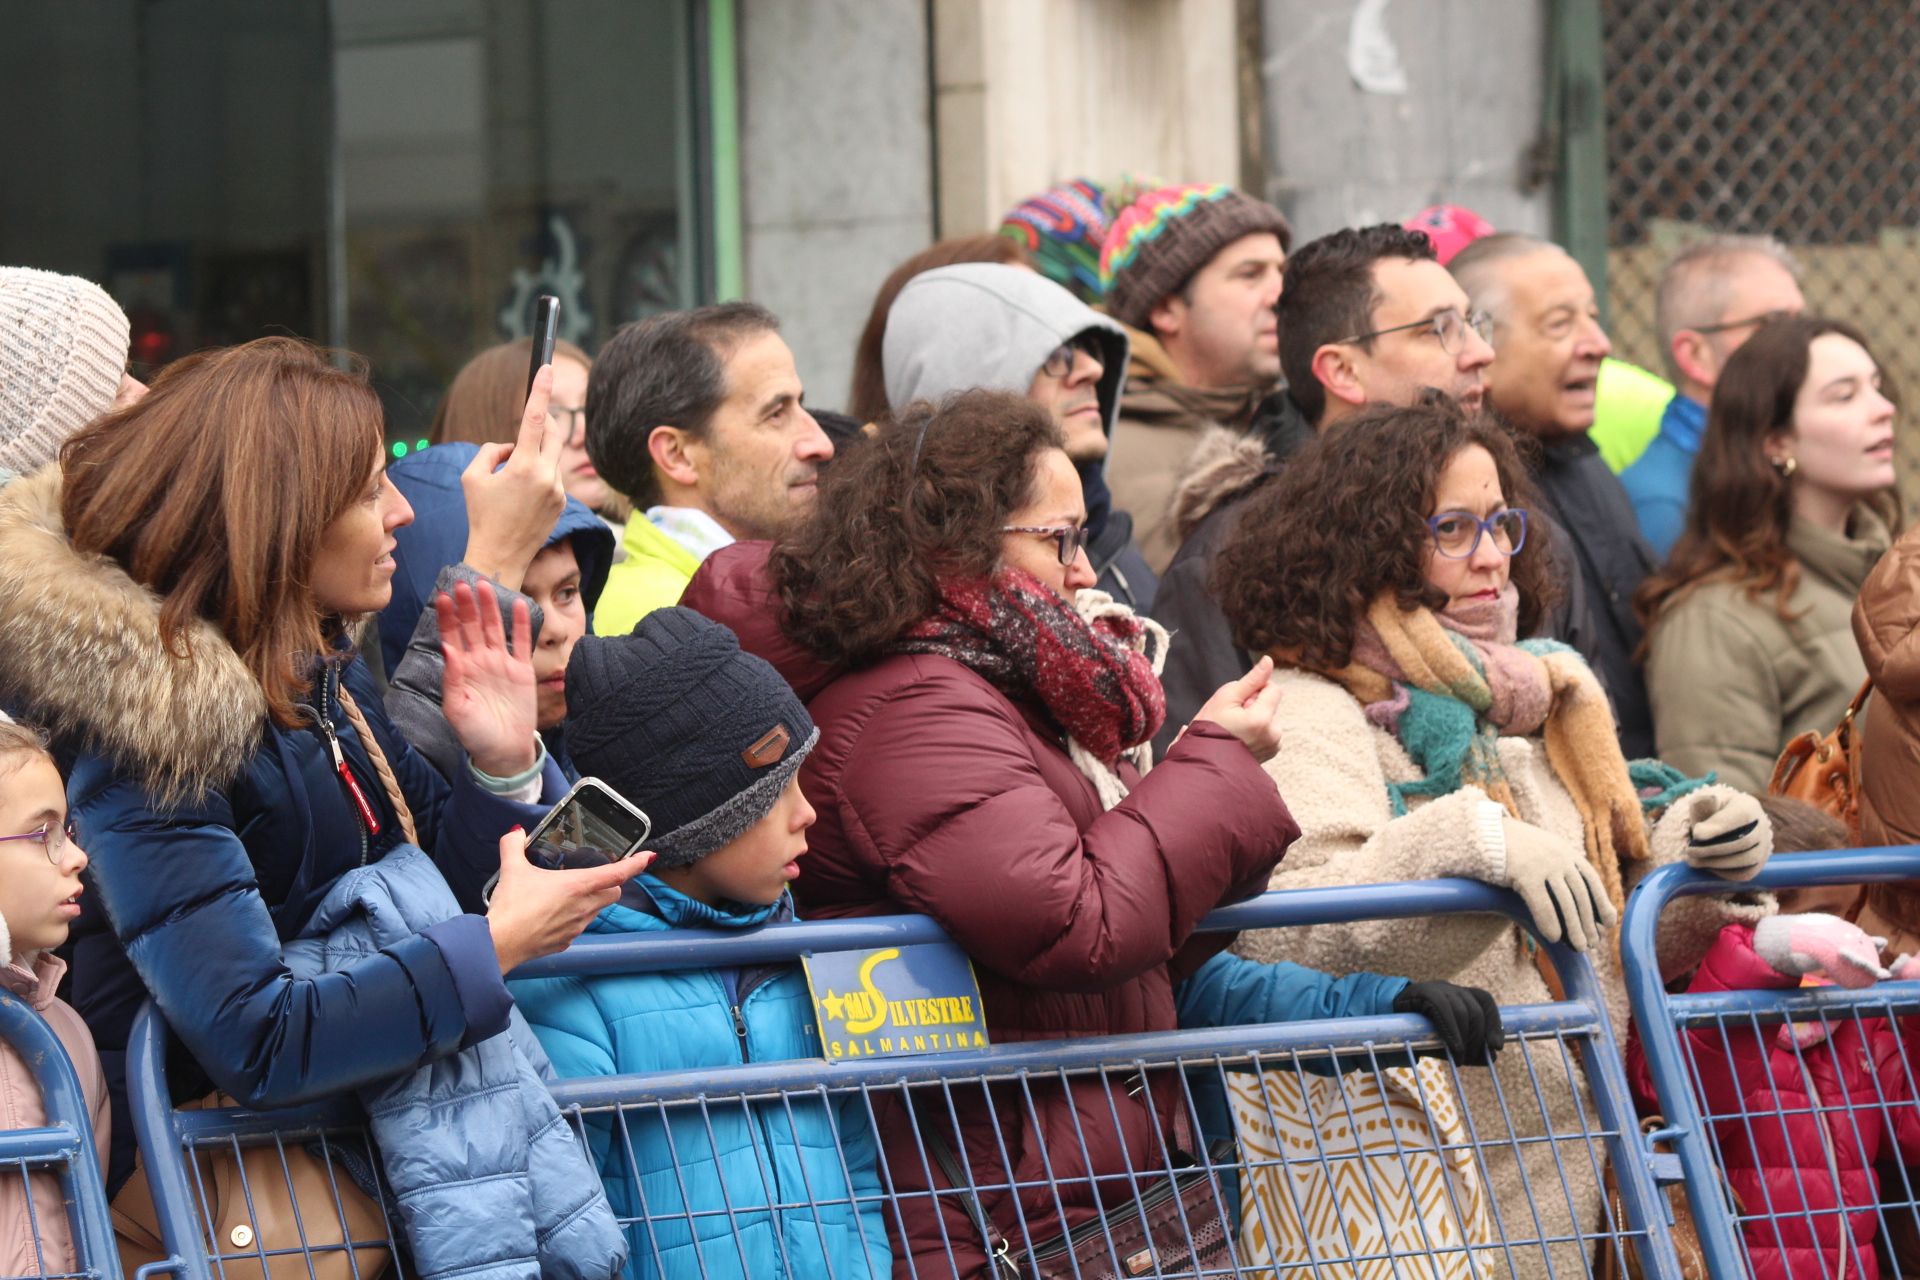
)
(1796, 118)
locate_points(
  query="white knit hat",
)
(63, 348)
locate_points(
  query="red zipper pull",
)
(359, 798)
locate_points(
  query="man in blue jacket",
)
(708, 741)
(1713, 296)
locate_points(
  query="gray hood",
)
(988, 325)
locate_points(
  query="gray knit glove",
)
(1728, 834)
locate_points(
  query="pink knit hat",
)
(1451, 227)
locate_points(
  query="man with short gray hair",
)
(1548, 345)
(1713, 296)
(696, 416)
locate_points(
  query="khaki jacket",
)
(1731, 681)
(1161, 420)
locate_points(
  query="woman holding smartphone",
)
(175, 600)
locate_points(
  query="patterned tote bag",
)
(1370, 1176)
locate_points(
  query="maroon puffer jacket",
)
(1772, 1149)
(938, 794)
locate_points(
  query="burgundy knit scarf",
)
(1029, 642)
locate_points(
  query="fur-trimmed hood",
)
(82, 656)
(1224, 465)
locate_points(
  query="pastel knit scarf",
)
(1449, 685)
(1093, 664)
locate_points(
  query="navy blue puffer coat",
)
(214, 834)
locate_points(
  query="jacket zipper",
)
(369, 820)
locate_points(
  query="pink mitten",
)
(1822, 944)
(1906, 968)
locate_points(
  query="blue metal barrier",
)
(1731, 1069)
(633, 1123)
(62, 1150)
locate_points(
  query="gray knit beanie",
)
(63, 349)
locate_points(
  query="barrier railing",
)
(60, 1152)
(1347, 1147)
(1781, 1103)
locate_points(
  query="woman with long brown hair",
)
(1749, 626)
(175, 598)
(982, 722)
(1393, 571)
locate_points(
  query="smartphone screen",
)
(590, 828)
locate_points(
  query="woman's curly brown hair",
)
(923, 499)
(1347, 519)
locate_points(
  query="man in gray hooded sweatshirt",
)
(1005, 328)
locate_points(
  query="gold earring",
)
(1786, 466)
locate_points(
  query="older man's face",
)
(1547, 345)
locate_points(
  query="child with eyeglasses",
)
(40, 867)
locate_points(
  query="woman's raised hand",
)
(535, 912)
(488, 695)
(511, 508)
(1249, 709)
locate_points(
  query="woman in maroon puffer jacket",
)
(980, 762)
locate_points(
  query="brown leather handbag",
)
(1612, 1265)
(255, 1217)
(1177, 1227)
(1824, 769)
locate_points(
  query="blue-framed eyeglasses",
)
(1457, 534)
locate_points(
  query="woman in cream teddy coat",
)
(1420, 740)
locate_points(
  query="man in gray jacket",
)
(1006, 328)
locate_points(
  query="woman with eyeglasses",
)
(1393, 571)
(983, 722)
(482, 406)
(1749, 627)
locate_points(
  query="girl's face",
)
(1842, 436)
(1468, 488)
(353, 569)
(39, 897)
(553, 583)
(568, 406)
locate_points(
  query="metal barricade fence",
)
(1208, 1151)
(1815, 1087)
(61, 1151)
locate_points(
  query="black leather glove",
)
(1465, 1018)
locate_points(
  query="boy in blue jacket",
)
(708, 740)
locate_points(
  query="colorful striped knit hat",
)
(1158, 242)
(1062, 229)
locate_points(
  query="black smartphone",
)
(546, 328)
(590, 827)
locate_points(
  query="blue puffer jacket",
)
(215, 834)
(491, 1183)
(732, 1163)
